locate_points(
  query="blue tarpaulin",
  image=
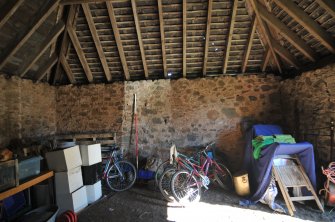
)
(259, 171)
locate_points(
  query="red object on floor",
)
(68, 216)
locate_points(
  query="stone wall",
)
(27, 109)
(184, 112)
(308, 103)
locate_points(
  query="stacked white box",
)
(90, 154)
(94, 192)
(70, 192)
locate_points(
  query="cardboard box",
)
(75, 201)
(64, 160)
(67, 182)
(90, 154)
(94, 192)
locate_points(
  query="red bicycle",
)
(186, 184)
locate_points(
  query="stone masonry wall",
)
(27, 109)
(184, 112)
(308, 103)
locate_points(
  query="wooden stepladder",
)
(289, 173)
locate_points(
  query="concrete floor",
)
(145, 203)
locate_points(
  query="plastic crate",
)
(8, 174)
(13, 204)
(29, 167)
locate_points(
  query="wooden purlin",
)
(51, 38)
(35, 23)
(230, 36)
(208, 29)
(162, 35)
(280, 27)
(118, 39)
(184, 37)
(97, 42)
(139, 38)
(8, 10)
(308, 23)
(249, 44)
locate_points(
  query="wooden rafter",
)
(51, 38)
(230, 36)
(208, 29)
(8, 10)
(184, 37)
(161, 25)
(263, 30)
(267, 55)
(287, 33)
(308, 23)
(65, 40)
(328, 5)
(46, 67)
(67, 69)
(118, 39)
(139, 38)
(80, 53)
(285, 54)
(74, 2)
(96, 40)
(31, 28)
(249, 44)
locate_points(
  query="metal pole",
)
(331, 140)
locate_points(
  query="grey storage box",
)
(29, 167)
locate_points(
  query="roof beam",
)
(328, 5)
(8, 10)
(118, 39)
(249, 44)
(35, 23)
(265, 34)
(46, 67)
(267, 55)
(67, 69)
(51, 38)
(97, 42)
(184, 36)
(80, 53)
(65, 40)
(285, 54)
(161, 25)
(208, 29)
(72, 2)
(230, 36)
(139, 38)
(290, 36)
(308, 23)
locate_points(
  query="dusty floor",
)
(145, 203)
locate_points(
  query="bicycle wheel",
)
(223, 177)
(160, 170)
(121, 176)
(185, 187)
(165, 183)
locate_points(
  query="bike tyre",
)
(181, 192)
(164, 184)
(223, 177)
(131, 178)
(161, 169)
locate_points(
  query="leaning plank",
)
(97, 42)
(46, 68)
(290, 36)
(31, 28)
(208, 29)
(67, 69)
(118, 39)
(8, 10)
(308, 23)
(80, 53)
(161, 25)
(51, 38)
(139, 38)
(285, 54)
(328, 5)
(230, 36)
(266, 59)
(249, 44)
